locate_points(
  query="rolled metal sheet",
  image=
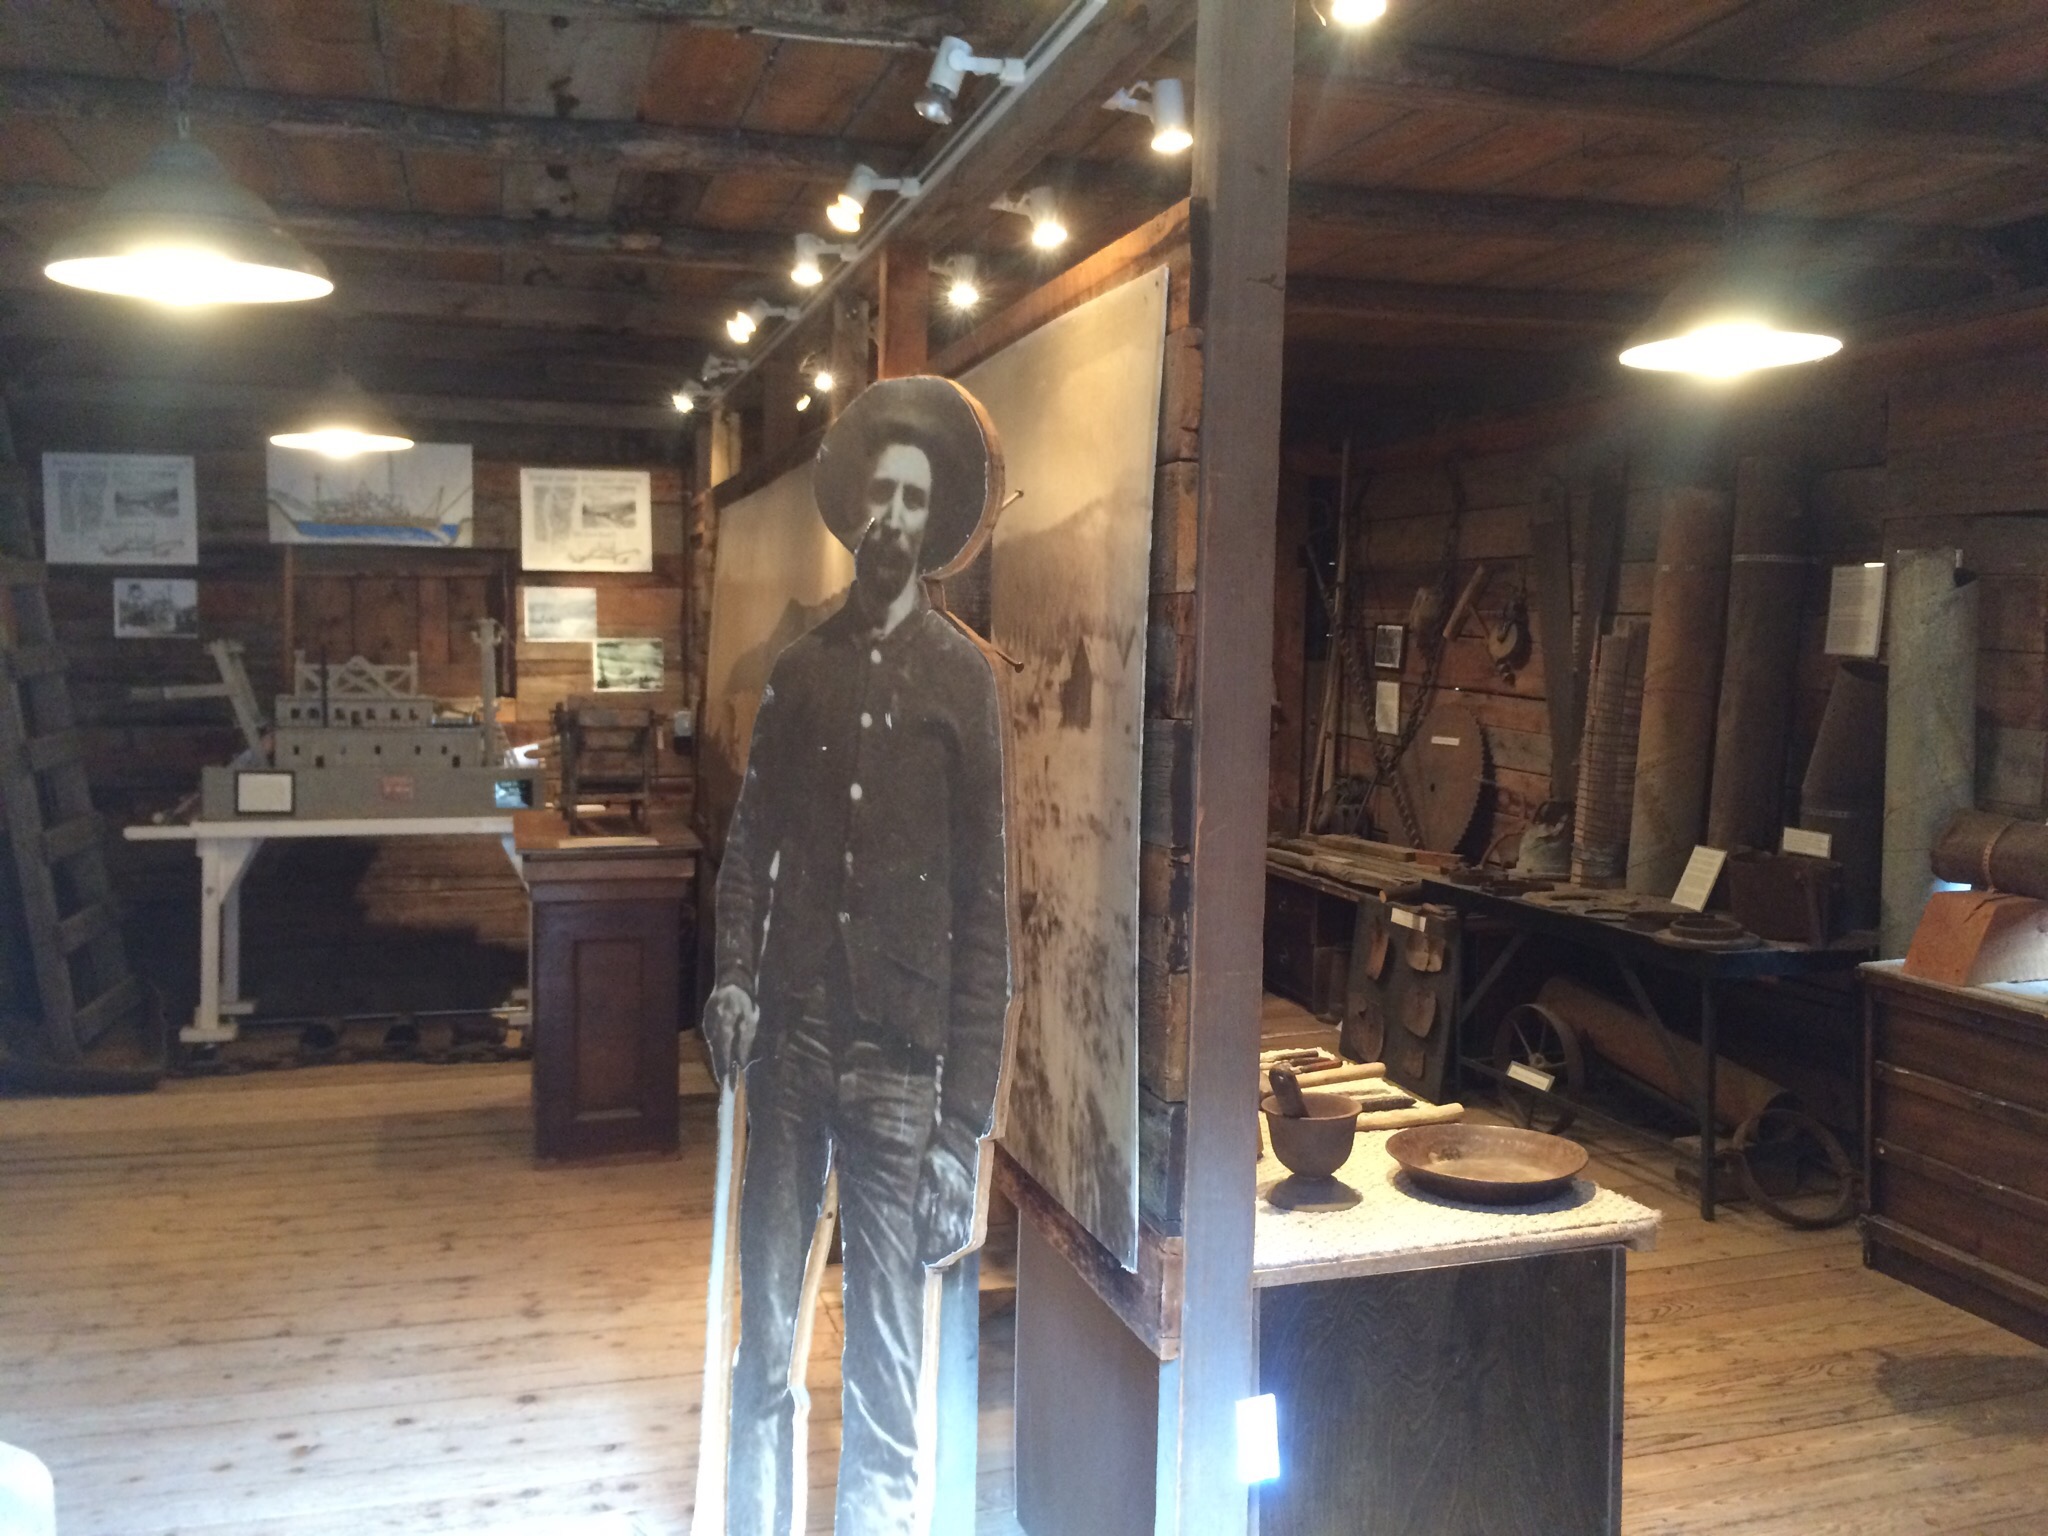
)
(1767, 583)
(1994, 853)
(1607, 759)
(1843, 791)
(1930, 759)
(1681, 686)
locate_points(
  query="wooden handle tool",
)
(1287, 1093)
(1421, 1114)
(1350, 1072)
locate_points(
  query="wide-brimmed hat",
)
(956, 435)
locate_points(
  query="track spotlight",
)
(1166, 103)
(845, 213)
(803, 402)
(810, 250)
(951, 65)
(684, 399)
(716, 368)
(962, 289)
(1043, 210)
(1357, 13)
(821, 376)
(744, 322)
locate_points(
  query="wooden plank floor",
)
(343, 1300)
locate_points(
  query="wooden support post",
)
(848, 356)
(906, 282)
(1244, 78)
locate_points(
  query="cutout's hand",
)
(731, 1021)
(946, 1202)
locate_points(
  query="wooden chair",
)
(607, 759)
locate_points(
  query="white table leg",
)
(222, 863)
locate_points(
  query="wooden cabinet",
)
(607, 997)
(1957, 1146)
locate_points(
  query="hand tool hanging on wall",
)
(1550, 545)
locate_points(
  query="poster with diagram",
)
(120, 509)
(423, 495)
(586, 520)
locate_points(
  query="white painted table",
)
(1395, 1228)
(227, 848)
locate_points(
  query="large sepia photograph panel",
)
(1077, 405)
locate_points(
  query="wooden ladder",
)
(51, 834)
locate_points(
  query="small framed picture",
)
(1386, 708)
(264, 792)
(1386, 645)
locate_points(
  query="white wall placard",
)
(586, 520)
(1815, 845)
(424, 494)
(1855, 609)
(120, 509)
(561, 613)
(1386, 708)
(1697, 883)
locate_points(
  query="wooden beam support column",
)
(1244, 78)
(906, 317)
(848, 353)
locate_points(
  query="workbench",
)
(226, 849)
(1634, 951)
(1441, 1368)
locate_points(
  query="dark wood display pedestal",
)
(607, 947)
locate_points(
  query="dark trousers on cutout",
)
(831, 1093)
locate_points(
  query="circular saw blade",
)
(1440, 773)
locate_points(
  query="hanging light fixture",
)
(742, 323)
(182, 232)
(1043, 210)
(1166, 103)
(684, 399)
(1357, 13)
(344, 422)
(1734, 318)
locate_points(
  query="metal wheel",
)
(1792, 1166)
(1533, 1038)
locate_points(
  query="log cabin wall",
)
(1935, 448)
(336, 928)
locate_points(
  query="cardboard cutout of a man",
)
(863, 955)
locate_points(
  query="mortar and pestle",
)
(1311, 1131)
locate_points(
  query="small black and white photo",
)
(606, 509)
(561, 613)
(148, 608)
(1387, 643)
(626, 666)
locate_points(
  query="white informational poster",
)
(1855, 609)
(1386, 708)
(152, 608)
(586, 520)
(420, 495)
(120, 509)
(561, 613)
(626, 666)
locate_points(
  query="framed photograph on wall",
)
(626, 666)
(149, 608)
(1387, 643)
(120, 509)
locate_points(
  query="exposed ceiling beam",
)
(1847, 242)
(1503, 307)
(624, 146)
(874, 23)
(376, 230)
(2003, 128)
(187, 395)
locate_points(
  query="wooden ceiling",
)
(537, 202)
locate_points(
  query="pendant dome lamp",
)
(343, 422)
(1736, 317)
(182, 232)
